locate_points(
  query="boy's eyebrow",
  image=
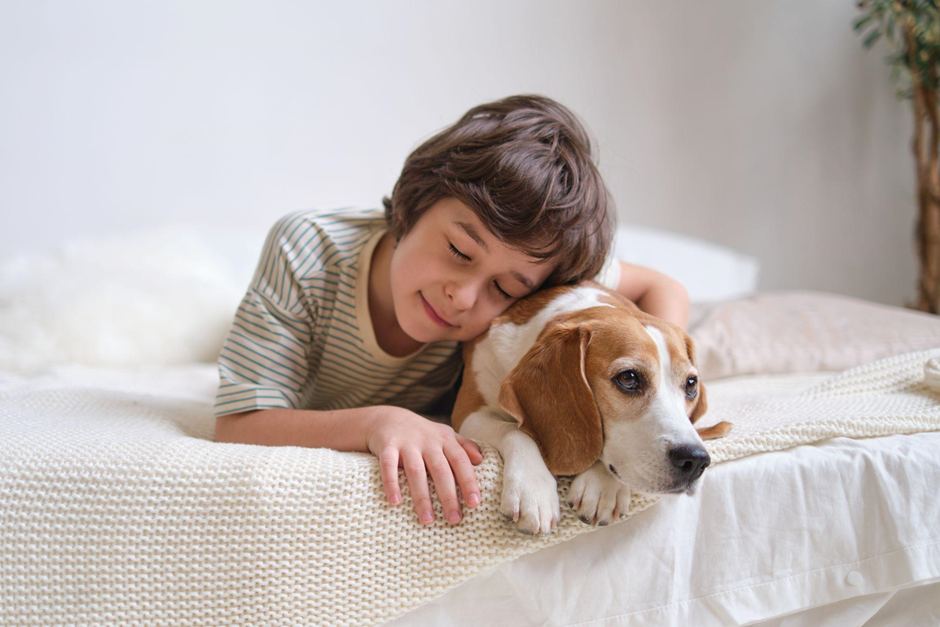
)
(472, 232)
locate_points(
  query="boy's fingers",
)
(466, 478)
(418, 484)
(473, 451)
(443, 476)
(389, 467)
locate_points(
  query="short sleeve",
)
(609, 275)
(264, 360)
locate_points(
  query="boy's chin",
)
(432, 333)
(429, 332)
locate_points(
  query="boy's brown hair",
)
(524, 165)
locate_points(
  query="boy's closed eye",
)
(464, 257)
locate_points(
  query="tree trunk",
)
(927, 233)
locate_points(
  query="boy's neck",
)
(390, 337)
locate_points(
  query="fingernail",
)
(395, 499)
(473, 499)
(427, 516)
(453, 517)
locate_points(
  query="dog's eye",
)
(629, 381)
(691, 387)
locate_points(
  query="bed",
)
(842, 531)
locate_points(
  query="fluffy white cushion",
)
(157, 298)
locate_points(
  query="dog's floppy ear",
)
(701, 404)
(549, 396)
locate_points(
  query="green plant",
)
(912, 30)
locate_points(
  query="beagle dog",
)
(576, 380)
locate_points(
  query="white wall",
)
(763, 126)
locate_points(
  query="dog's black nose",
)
(690, 461)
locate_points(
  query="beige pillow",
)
(782, 332)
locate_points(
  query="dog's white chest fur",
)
(497, 354)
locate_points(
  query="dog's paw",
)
(530, 499)
(598, 497)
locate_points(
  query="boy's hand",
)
(402, 438)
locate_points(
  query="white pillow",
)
(708, 271)
(145, 299)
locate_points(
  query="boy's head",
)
(524, 166)
(520, 170)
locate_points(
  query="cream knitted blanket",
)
(119, 508)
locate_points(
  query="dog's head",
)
(615, 384)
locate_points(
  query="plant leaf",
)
(860, 22)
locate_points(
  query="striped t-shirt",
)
(302, 337)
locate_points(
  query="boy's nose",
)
(462, 295)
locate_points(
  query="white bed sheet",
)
(768, 535)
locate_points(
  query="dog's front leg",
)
(530, 492)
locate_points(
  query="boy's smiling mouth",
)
(432, 314)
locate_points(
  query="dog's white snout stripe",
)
(665, 361)
(669, 397)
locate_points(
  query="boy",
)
(353, 321)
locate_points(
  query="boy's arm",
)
(655, 293)
(340, 429)
(264, 361)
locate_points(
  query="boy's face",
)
(467, 294)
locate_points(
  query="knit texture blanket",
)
(118, 507)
